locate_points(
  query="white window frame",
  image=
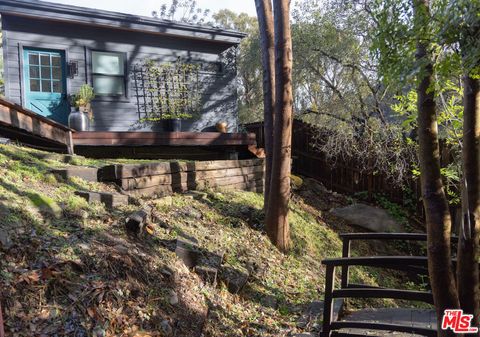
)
(122, 76)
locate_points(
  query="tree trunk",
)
(265, 23)
(437, 213)
(2, 330)
(468, 249)
(277, 213)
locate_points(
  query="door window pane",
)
(56, 61)
(34, 72)
(108, 85)
(45, 60)
(34, 85)
(46, 86)
(107, 63)
(45, 71)
(56, 73)
(57, 86)
(32, 58)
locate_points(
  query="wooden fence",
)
(342, 177)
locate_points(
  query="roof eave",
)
(72, 14)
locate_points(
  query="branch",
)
(329, 114)
(364, 76)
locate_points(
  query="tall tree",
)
(468, 278)
(468, 247)
(265, 23)
(459, 30)
(276, 42)
(279, 194)
(2, 331)
(249, 65)
(437, 213)
(183, 11)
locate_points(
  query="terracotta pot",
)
(221, 127)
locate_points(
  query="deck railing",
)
(19, 123)
(417, 264)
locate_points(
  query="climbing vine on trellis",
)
(167, 90)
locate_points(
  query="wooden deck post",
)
(345, 253)
(328, 301)
(70, 143)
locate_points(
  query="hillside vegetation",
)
(70, 269)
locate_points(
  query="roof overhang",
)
(93, 17)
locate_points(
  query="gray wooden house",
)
(51, 49)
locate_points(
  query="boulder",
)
(369, 217)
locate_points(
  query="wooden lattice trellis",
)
(175, 89)
(169, 90)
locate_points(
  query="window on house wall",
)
(108, 73)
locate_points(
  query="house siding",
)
(219, 99)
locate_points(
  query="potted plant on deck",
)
(173, 121)
(81, 112)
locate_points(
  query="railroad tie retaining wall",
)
(163, 178)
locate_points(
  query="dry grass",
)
(69, 269)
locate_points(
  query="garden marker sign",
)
(458, 322)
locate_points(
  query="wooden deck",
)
(162, 139)
(164, 145)
(25, 126)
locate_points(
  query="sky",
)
(145, 7)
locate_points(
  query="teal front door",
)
(45, 83)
